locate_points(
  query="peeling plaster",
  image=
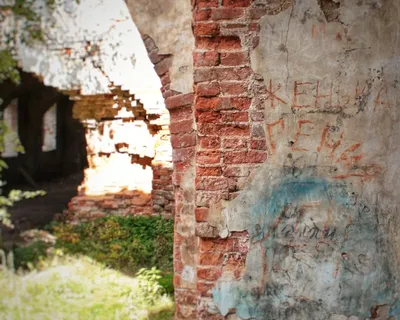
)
(315, 248)
(185, 227)
(322, 211)
(169, 23)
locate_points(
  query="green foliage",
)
(29, 256)
(125, 243)
(8, 67)
(149, 283)
(167, 282)
(14, 195)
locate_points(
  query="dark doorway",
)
(54, 154)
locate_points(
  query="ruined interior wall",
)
(129, 156)
(296, 108)
(107, 49)
(89, 59)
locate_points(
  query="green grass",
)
(80, 288)
(126, 244)
(110, 268)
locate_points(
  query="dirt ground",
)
(39, 211)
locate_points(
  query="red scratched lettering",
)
(380, 102)
(324, 142)
(296, 93)
(349, 159)
(270, 126)
(364, 174)
(299, 134)
(320, 96)
(272, 96)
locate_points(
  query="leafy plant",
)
(8, 67)
(29, 256)
(167, 282)
(138, 246)
(14, 196)
(149, 284)
(125, 243)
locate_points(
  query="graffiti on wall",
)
(316, 212)
(315, 248)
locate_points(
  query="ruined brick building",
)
(271, 136)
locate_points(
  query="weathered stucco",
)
(322, 211)
(169, 23)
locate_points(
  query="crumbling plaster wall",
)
(169, 24)
(296, 197)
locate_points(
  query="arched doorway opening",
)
(103, 66)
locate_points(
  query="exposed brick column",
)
(184, 141)
(229, 111)
(162, 194)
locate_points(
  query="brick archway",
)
(174, 126)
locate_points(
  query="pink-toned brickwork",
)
(231, 141)
(229, 116)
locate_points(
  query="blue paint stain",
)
(395, 311)
(359, 290)
(294, 192)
